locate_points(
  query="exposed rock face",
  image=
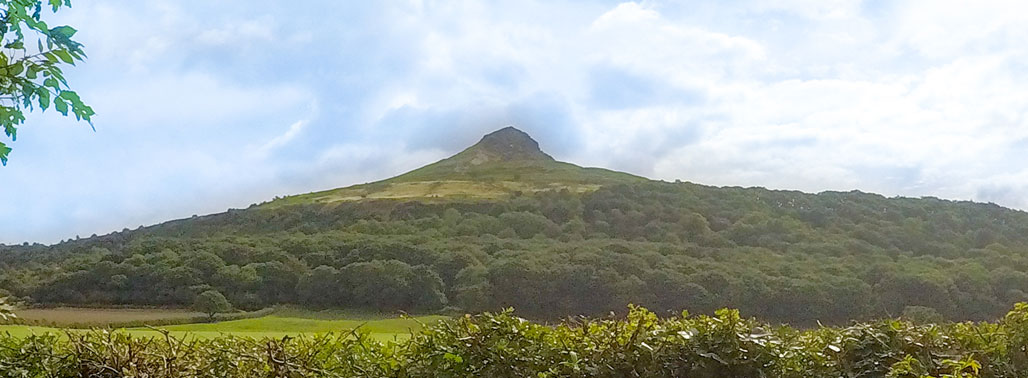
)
(509, 155)
(506, 144)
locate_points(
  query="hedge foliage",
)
(502, 345)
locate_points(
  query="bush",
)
(503, 345)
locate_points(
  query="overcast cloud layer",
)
(206, 105)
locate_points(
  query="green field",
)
(281, 323)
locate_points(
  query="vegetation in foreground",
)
(502, 345)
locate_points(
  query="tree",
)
(211, 302)
(381, 284)
(426, 289)
(320, 287)
(31, 76)
(525, 224)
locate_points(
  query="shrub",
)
(503, 345)
(211, 302)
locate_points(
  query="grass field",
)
(101, 316)
(284, 322)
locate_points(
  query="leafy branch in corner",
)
(32, 76)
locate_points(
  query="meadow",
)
(70, 316)
(277, 323)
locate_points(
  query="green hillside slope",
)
(783, 256)
(504, 163)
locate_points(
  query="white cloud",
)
(625, 13)
(913, 98)
(238, 31)
(281, 140)
(949, 28)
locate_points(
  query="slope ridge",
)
(503, 163)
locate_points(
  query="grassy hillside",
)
(504, 164)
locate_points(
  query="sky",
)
(208, 105)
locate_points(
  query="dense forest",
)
(781, 256)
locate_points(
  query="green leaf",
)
(71, 96)
(64, 56)
(86, 113)
(40, 25)
(15, 45)
(44, 97)
(66, 31)
(61, 106)
(4, 150)
(454, 358)
(17, 68)
(56, 72)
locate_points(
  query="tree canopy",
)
(211, 302)
(777, 255)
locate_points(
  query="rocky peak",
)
(508, 143)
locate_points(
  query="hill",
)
(504, 163)
(580, 241)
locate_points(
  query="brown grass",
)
(100, 316)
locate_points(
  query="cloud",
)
(207, 105)
(234, 32)
(281, 140)
(614, 88)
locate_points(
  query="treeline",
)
(780, 256)
(640, 344)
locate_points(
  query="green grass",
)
(499, 182)
(458, 177)
(278, 326)
(431, 190)
(285, 322)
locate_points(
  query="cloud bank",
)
(208, 105)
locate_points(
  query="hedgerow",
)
(503, 345)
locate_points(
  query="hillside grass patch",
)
(281, 323)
